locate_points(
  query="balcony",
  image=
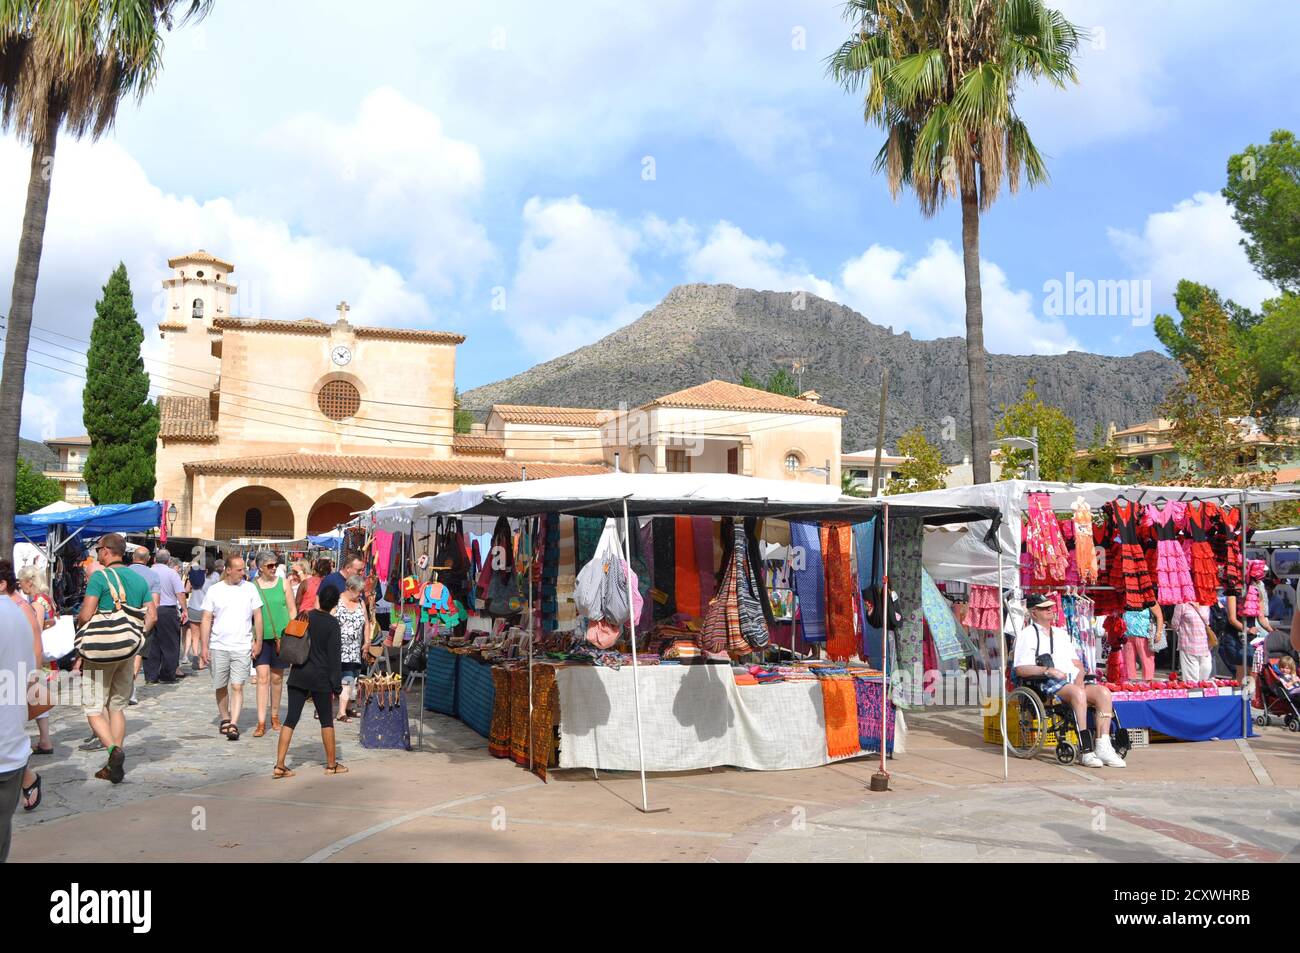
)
(55, 468)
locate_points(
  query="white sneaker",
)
(1090, 760)
(1106, 753)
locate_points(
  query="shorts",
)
(351, 670)
(229, 668)
(270, 656)
(110, 685)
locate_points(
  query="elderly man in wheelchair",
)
(1053, 696)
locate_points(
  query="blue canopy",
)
(327, 540)
(91, 521)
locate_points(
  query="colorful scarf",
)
(840, 704)
(867, 693)
(842, 641)
(864, 544)
(809, 581)
(688, 572)
(938, 616)
(905, 581)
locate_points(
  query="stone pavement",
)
(190, 795)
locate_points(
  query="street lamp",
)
(1023, 443)
(171, 518)
(826, 471)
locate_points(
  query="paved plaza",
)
(190, 795)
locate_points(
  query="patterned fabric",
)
(1192, 623)
(1045, 545)
(566, 577)
(983, 608)
(842, 640)
(1137, 624)
(1085, 555)
(905, 580)
(939, 617)
(864, 545)
(867, 695)
(702, 530)
(352, 626)
(499, 733)
(734, 621)
(809, 582)
(588, 532)
(750, 598)
(1129, 574)
(839, 700)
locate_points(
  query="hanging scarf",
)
(688, 571)
(1085, 555)
(864, 545)
(943, 627)
(665, 563)
(809, 581)
(842, 641)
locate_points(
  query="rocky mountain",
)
(700, 332)
(36, 453)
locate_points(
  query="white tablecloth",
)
(692, 716)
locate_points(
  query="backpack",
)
(114, 635)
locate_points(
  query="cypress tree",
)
(121, 420)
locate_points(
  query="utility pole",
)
(880, 431)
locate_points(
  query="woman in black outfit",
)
(319, 677)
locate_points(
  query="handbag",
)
(115, 635)
(294, 645)
(384, 719)
(416, 656)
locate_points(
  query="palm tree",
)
(849, 485)
(940, 78)
(64, 64)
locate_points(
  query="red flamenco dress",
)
(1199, 523)
(1225, 539)
(1128, 570)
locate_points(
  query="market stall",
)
(683, 548)
(1120, 561)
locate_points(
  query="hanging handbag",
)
(294, 645)
(115, 635)
(416, 656)
(384, 720)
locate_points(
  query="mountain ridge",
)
(699, 332)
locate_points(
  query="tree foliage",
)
(1264, 192)
(1055, 437)
(923, 468)
(780, 381)
(1215, 405)
(34, 490)
(1101, 461)
(120, 419)
(463, 420)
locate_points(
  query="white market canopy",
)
(650, 494)
(961, 553)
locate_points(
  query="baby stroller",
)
(1271, 695)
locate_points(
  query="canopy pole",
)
(1002, 674)
(636, 678)
(1245, 648)
(884, 660)
(523, 533)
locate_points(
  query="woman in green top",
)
(276, 613)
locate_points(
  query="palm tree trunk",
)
(977, 362)
(19, 323)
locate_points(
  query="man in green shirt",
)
(107, 712)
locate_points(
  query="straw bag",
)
(115, 635)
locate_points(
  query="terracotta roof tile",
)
(387, 468)
(81, 441)
(478, 445)
(185, 419)
(312, 326)
(200, 256)
(554, 416)
(724, 395)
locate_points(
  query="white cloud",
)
(731, 256)
(92, 227)
(575, 273)
(926, 296)
(1197, 240)
(389, 179)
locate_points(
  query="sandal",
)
(341, 718)
(280, 771)
(49, 750)
(260, 730)
(336, 768)
(232, 733)
(275, 724)
(27, 792)
(225, 726)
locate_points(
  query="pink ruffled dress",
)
(1173, 572)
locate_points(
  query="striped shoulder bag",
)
(115, 635)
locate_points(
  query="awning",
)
(661, 494)
(91, 521)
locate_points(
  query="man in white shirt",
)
(232, 638)
(17, 668)
(1044, 650)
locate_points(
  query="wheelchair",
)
(1031, 720)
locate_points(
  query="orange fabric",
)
(687, 572)
(840, 702)
(841, 633)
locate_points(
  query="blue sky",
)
(432, 160)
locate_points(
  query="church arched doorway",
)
(335, 507)
(254, 511)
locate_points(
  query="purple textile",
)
(868, 693)
(702, 530)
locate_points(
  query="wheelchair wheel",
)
(1065, 752)
(1026, 723)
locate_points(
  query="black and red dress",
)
(1128, 570)
(1200, 552)
(1225, 538)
